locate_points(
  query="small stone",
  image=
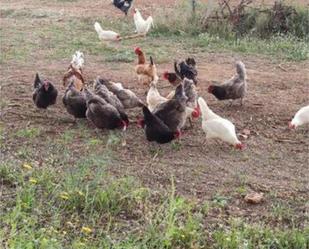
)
(246, 132)
(254, 198)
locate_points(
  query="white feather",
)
(106, 35)
(142, 26)
(154, 98)
(215, 126)
(301, 117)
(78, 60)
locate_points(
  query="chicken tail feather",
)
(176, 69)
(203, 107)
(37, 81)
(98, 28)
(241, 70)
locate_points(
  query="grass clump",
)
(86, 207)
(280, 31)
(240, 235)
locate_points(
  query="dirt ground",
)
(274, 162)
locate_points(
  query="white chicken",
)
(78, 60)
(142, 26)
(154, 98)
(301, 117)
(217, 127)
(106, 35)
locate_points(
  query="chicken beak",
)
(124, 127)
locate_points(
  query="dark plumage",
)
(110, 98)
(173, 111)
(102, 114)
(234, 88)
(123, 5)
(126, 96)
(75, 101)
(155, 129)
(172, 78)
(186, 69)
(45, 94)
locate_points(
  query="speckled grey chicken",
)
(45, 94)
(173, 112)
(102, 114)
(234, 88)
(101, 90)
(75, 101)
(126, 96)
(192, 108)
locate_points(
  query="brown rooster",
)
(146, 72)
(75, 72)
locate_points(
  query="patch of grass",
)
(220, 201)
(28, 132)
(288, 48)
(83, 206)
(240, 235)
(282, 212)
(176, 145)
(8, 174)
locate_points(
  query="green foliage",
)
(28, 132)
(240, 235)
(280, 19)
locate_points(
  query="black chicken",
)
(186, 69)
(155, 129)
(173, 111)
(123, 5)
(45, 94)
(102, 114)
(75, 101)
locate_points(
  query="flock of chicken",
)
(142, 26)
(163, 117)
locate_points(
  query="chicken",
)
(172, 78)
(75, 101)
(45, 94)
(186, 69)
(191, 62)
(102, 114)
(192, 109)
(156, 129)
(234, 88)
(173, 112)
(123, 5)
(145, 72)
(190, 92)
(154, 98)
(102, 91)
(217, 127)
(126, 96)
(301, 117)
(106, 35)
(75, 72)
(142, 26)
